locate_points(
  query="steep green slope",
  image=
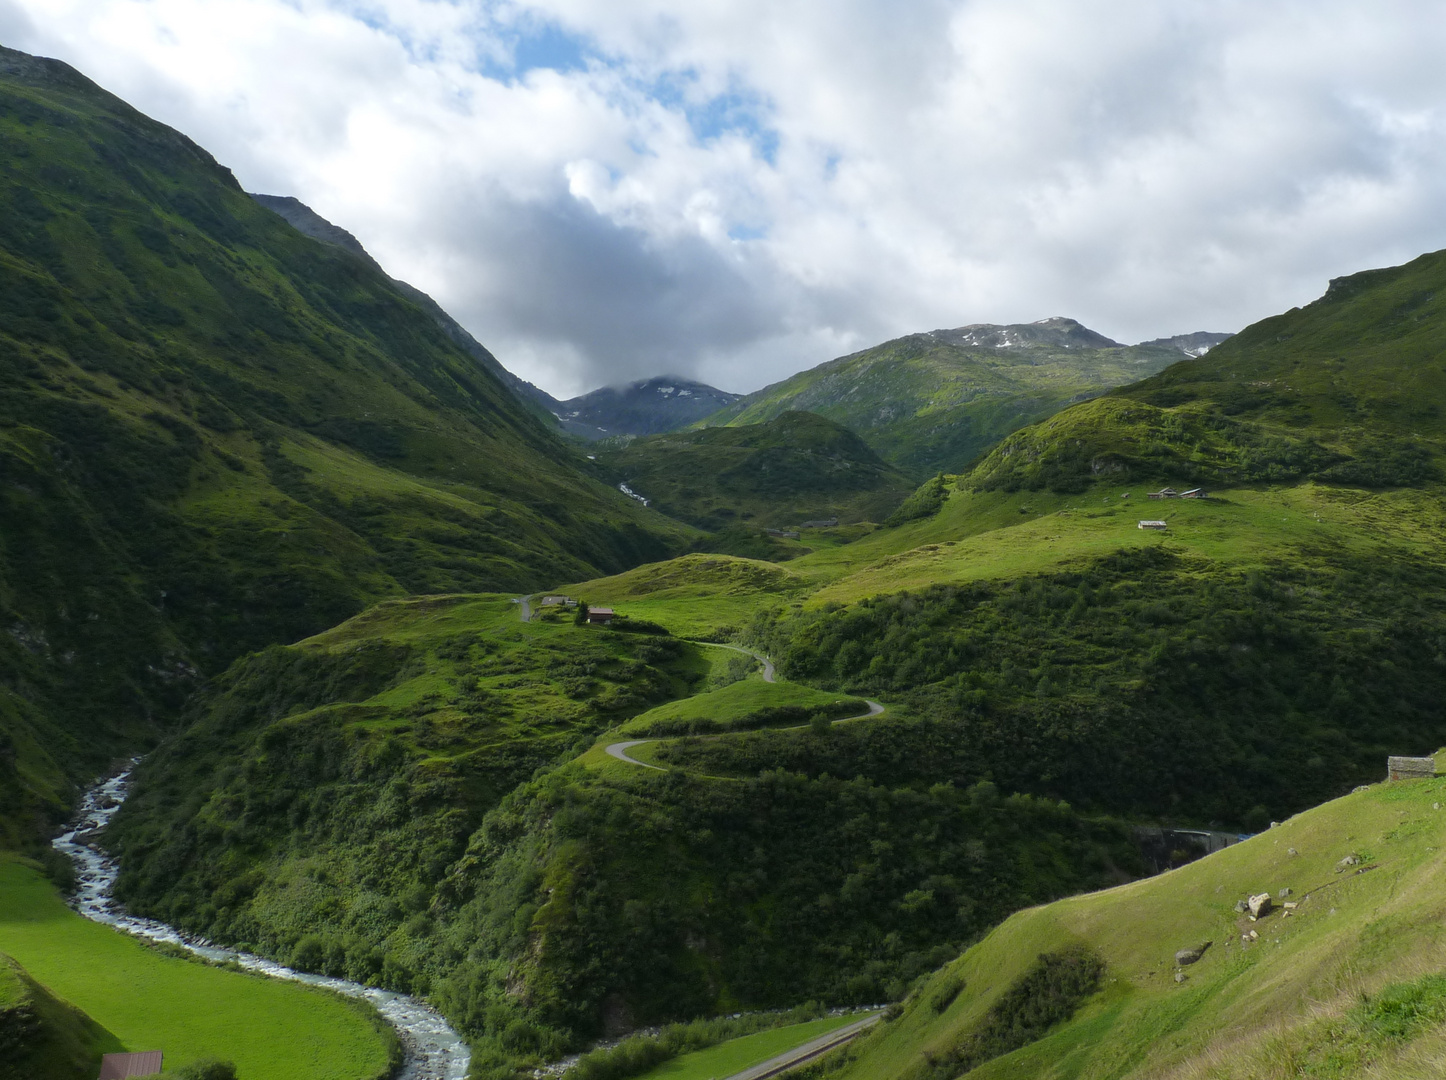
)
(797, 467)
(326, 787)
(931, 402)
(41, 1036)
(216, 433)
(340, 804)
(1350, 389)
(1344, 983)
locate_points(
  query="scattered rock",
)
(1349, 860)
(1241, 907)
(1255, 935)
(1189, 956)
(1282, 894)
(1180, 976)
(1291, 852)
(1290, 905)
(1258, 905)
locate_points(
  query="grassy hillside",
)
(795, 468)
(931, 402)
(140, 998)
(217, 434)
(1347, 983)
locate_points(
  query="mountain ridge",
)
(933, 401)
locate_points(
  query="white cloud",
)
(738, 189)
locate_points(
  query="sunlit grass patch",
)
(272, 1030)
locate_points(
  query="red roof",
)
(120, 1066)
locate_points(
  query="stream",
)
(433, 1051)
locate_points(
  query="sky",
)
(736, 190)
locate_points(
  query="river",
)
(433, 1050)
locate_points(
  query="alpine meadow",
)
(1001, 701)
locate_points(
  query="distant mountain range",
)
(924, 402)
(934, 401)
(649, 407)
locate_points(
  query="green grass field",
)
(272, 1030)
(993, 535)
(1307, 999)
(699, 596)
(41, 1036)
(735, 1055)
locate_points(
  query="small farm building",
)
(1163, 493)
(1410, 768)
(121, 1066)
(601, 614)
(1153, 525)
(1194, 493)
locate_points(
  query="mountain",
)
(431, 794)
(217, 434)
(306, 220)
(1196, 344)
(934, 401)
(647, 407)
(260, 512)
(798, 467)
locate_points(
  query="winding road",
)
(620, 750)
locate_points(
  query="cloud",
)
(738, 189)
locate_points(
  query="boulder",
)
(1241, 907)
(1258, 905)
(1348, 861)
(1189, 956)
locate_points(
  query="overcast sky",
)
(602, 190)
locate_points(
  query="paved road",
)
(526, 608)
(767, 663)
(801, 1055)
(620, 750)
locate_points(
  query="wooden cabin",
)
(601, 614)
(1157, 525)
(122, 1066)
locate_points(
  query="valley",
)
(860, 714)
